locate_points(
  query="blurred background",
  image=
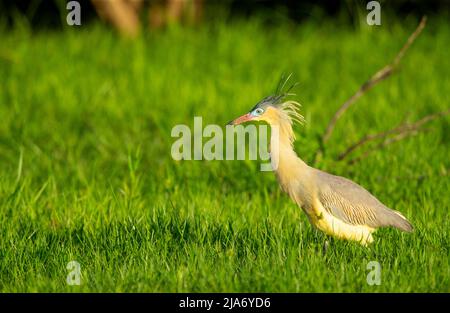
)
(133, 69)
(86, 114)
(130, 16)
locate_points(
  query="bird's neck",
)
(283, 156)
(293, 173)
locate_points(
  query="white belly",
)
(340, 229)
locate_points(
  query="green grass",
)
(86, 172)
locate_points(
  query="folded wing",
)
(354, 205)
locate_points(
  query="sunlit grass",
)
(86, 172)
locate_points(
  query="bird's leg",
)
(326, 244)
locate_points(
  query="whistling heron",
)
(333, 204)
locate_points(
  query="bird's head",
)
(274, 109)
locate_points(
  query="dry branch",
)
(379, 76)
(402, 131)
(383, 144)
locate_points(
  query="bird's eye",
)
(258, 111)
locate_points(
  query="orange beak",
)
(241, 119)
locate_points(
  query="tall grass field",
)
(86, 172)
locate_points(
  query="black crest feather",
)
(281, 92)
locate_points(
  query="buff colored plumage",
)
(335, 205)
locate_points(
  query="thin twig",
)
(383, 144)
(376, 78)
(403, 128)
(379, 76)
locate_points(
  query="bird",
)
(333, 204)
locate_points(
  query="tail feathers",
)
(397, 220)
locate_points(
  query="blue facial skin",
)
(263, 104)
(257, 112)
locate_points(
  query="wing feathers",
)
(353, 204)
